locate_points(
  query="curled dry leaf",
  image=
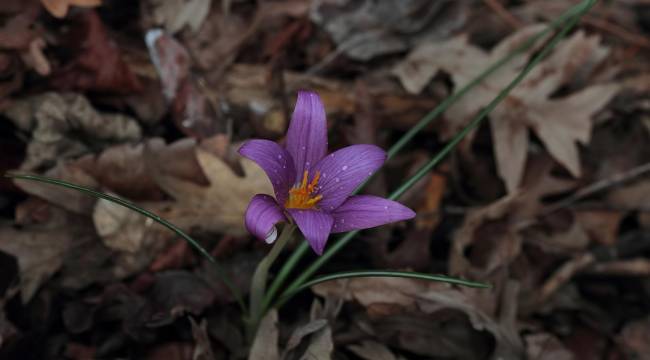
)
(218, 207)
(97, 63)
(191, 109)
(407, 295)
(174, 15)
(559, 122)
(365, 29)
(372, 350)
(490, 237)
(265, 346)
(59, 8)
(41, 250)
(52, 117)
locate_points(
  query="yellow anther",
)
(301, 197)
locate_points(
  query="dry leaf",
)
(372, 350)
(121, 229)
(559, 123)
(544, 346)
(202, 347)
(96, 63)
(41, 250)
(219, 207)
(265, 345)
(320, 345)
(408, 295)
(59, 8)
(176, 14)
(366, 29)
(52, 117)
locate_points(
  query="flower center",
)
(301, 196)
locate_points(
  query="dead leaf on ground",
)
(559, 122)
(96, 64)
(202, 207)
(372, 350)
(59, 8)
(202, 347)
(191, 109)
(51, 117)
(545, 346)
(366, 29)
(490, 237)
(265, 346)
(41, 250)
(174, 15)
(635, 337)
(411, 296)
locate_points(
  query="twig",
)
(598, 186)
(617, 30)
(503, 13)
(631, 267)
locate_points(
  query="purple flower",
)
(313, 188)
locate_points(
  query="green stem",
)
(129, 205)
(258, 284)
(576, 13)
(379, 273)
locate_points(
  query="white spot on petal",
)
(345, 167)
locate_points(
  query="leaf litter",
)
(547, 201)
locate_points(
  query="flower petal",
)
(307, 134)
(315, 226)
(261, 216)
(343, 170)
(275, 161)
(366, 211)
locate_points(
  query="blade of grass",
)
(129, 205)
(337, 246)
(373, 273)
(300, 251)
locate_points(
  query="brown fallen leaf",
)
(559, 122)
(174, 15)
(372, 350)
(42, 249)
(265, 345)
(366, 29)
(635, 337)
(218, 207)
(202, 347)
(59, 8)
(545, 346)
(97, 63)
(52, 117)
(420, 297)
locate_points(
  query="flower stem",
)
(258, 284)
(569, 19)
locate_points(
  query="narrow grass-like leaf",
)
(372, 273)
(569, 19)
(152, 216)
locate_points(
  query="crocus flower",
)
(312, 188)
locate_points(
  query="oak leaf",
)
(559, 122)
(59, 8)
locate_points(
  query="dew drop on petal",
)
(342, 221)
(345, 167)
(337, 179)
(304, 148)
(279, 156)
(385, 207)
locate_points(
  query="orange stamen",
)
(301, 196)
